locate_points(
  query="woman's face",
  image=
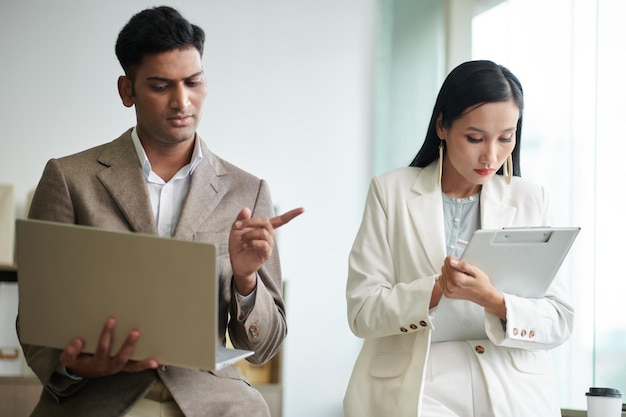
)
(477, 144)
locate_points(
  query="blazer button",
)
(423, 323)
(403, 329)
(523, 332)
(515, 331)
(531, 334)
(413, 326)
(479, 349)
(163, 368)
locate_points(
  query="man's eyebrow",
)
(167, 80)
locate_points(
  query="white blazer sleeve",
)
(534, 323)
(381, 303)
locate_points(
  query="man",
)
(160, 178)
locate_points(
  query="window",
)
(569, 57)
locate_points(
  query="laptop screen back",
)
(72, 278)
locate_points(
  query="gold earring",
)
(440, 161)
(507, 169)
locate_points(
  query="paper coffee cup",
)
(604, 402)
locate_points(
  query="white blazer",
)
(397, 253)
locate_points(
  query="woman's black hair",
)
(470, 84)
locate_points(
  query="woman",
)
(440, 340)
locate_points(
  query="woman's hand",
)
(462, 281)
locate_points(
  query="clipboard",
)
(520, 261)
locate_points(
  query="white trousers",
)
(454, 385)
(158, 403)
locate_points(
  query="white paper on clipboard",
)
(520, 261)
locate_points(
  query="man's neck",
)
(167, 160)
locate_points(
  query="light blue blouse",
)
(461, 218)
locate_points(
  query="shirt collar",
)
(196, 155)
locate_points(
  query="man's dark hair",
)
(152, 31)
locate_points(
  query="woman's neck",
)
(454, 184)
(458, 187)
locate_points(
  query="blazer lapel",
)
(425, 206)
(209, 183)
(125, 182)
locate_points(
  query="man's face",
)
(169, 90)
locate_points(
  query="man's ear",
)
(125, 90)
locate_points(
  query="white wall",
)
(290, 91)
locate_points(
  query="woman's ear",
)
(441, 132)
(125, 90)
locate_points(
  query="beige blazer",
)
(105, 187)
(397, 253)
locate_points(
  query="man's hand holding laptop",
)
(251, 243)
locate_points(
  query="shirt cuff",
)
(63, 383)
(61, 369)
(245, 303)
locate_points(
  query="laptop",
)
(71, 278)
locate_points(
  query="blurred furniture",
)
(7, 224)
(18, 396)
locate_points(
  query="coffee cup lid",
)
(604, 392)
